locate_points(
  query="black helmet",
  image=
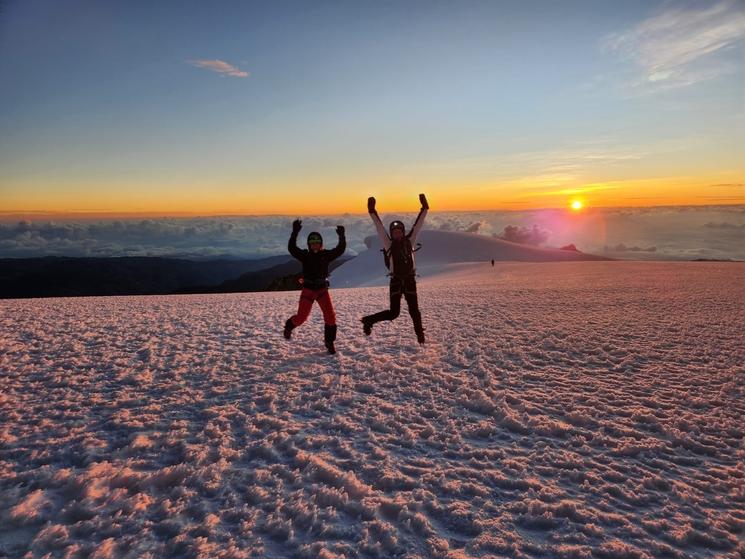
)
(397, 225)
(314, 237)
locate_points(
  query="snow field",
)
(559, 410)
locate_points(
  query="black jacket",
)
(316, 264)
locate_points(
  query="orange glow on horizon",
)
(318, 197)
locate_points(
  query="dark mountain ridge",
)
(55, 276)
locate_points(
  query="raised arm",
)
(339, 249)
(380, 228)
(292, 244)
(419, 223)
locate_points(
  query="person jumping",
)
(399, 258)
(315, 281)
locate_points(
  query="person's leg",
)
(329, 337)
(412, 301)
(395, 293)
(303, 310)
(329, 319)
(327, 308)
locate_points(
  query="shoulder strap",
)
(386, 257)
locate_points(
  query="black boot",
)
(329, 336)
(418, 328)
(366, 326)
(416, 318)
(289, 327)
(419, 334)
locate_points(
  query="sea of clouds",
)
(716, 232)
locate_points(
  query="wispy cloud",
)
(683, 45)
(560, 172)
(583, 189)
(582, 156)
(219, 66)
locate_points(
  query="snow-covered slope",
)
(589, 409)
(440, 248)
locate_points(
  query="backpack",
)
(408, 251)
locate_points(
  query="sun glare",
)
(577, 205)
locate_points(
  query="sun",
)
(576, 205)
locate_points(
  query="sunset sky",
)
(307, 108)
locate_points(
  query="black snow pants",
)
(400, 286)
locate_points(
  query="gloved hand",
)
(371, 204)
(297, 225)
(340, 230)
(423, 200)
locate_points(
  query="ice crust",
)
(589, 409)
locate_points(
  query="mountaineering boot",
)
(289, 327)
(329, 336)
(366, 327)
(419, 334)
(416, 318)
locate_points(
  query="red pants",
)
(307, 296)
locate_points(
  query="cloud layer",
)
(219, 66)
(524, 235)
(660, 233)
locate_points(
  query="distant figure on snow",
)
(315, 281)
(399, 259)
(492, 262)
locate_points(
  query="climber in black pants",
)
(399, 259)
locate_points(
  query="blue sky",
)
(273, 107)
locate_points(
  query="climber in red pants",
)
(315, 261)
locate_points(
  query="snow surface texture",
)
(439, 248)
(590, 409)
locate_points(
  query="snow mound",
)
(440, 248)
(576, 410)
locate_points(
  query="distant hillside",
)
(65, 277)
(283, 277)
(440, 248)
